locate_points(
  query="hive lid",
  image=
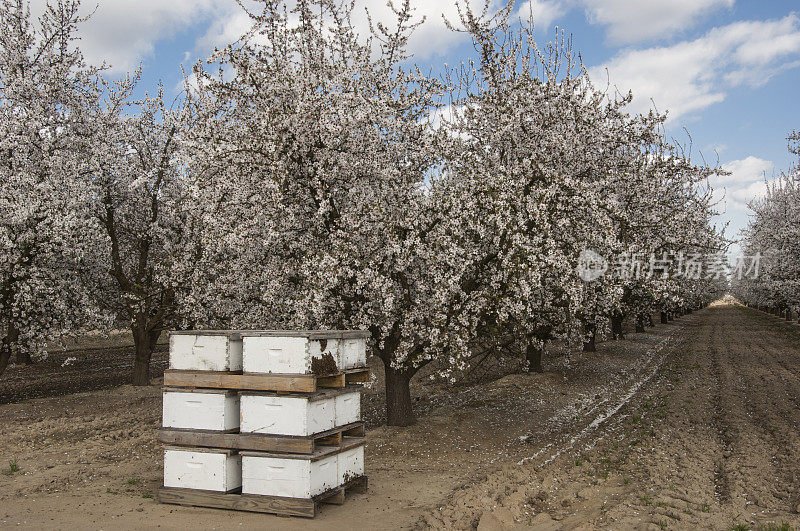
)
(348, 443)
(310, 334)
(224, 451)
(172, 389)
(320, 394)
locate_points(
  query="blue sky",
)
(726, 70)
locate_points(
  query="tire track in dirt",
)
(568, 442)
(773, 415)
(710, 439)
(722, 488)
(601, 413)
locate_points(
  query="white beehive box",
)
(299, 415)
(353, 352)
(200, 468)
(288, 477)
(200, 409)
(205, 350)
(292, 352)
(350, 464)
(348, 407)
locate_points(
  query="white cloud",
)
(431, 39)
(545, 13)
(124, 32)
(742, 196)
(692, 75)
(746, 182)
(629, 21)
(227, 27)
(746, 170)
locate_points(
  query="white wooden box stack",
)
(245, 411)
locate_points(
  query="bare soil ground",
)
(691, 425)
(95, 362)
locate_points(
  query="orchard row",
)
(311, 177)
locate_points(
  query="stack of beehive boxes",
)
(265, 421)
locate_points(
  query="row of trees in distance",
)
(773, 235)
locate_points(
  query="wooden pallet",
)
(289, 383)
(258, 503)
(322, 452)
(261, 442)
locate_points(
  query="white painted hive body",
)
(292, 352)
(205, 351)
(354, 353)
(348, 407)
(194, 468)
(297, 414)
(283, 355)
(350, 464)
(288, 477)
(206, 409)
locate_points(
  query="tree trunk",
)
(399, 411)
(616, 327)
(7, 346)
(589, 345)
(5, 355)
(663, 317)
(533, 356)
(144, 341)
(639, 323)
(670, 317)
(788, 314)
(24, 357)
(650, 322)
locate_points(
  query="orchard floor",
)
(693, 424)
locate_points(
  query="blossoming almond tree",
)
(140, 210)
(667, 218)
(329, 202)
(773, 234)
(560, 170)
(314, 160)
(532, 134)
(47, 96)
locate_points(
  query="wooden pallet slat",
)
(258, 503)
(319, 453)
(357, 376)
(238, 502)
(292, 383)
(303, 383)
(333, 380)
(260, 442)
(335, 499)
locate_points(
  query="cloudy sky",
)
(728, 71)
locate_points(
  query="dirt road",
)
(710, 441)
(693, 424)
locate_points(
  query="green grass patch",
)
(13, 468)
